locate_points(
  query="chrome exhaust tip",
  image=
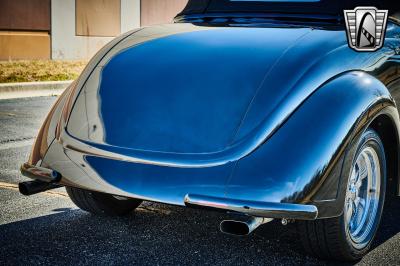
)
(242, 228)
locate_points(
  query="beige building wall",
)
(15, 45)
(98, 18)
(74, 29)
(70, 41)
(24, 29)
(160, 11)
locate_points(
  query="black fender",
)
(308, 159)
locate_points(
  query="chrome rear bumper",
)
(251, 208)
(255, 208)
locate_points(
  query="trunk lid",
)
(180, 93)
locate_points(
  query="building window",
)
(98, 18)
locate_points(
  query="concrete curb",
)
(32, 89)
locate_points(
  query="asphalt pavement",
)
(47, 229)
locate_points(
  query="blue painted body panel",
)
(188, 92)
(160, 183)
(253, 113)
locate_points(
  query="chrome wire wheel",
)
(363, 196)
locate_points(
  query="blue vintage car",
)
(266, 109)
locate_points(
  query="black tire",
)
(101, 203)
(331, 238)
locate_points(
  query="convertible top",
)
(328, 7)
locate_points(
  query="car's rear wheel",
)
(349, 236)
(101, 203)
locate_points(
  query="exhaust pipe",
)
(34, 187)
(43, 179)
(242, 228)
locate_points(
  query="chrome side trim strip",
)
(255, 208)
(201, 160)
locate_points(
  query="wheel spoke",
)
(357, 201)
(349, 210)
(352, 211)
(362, 172)
(353, 220)
(353, 177)
(360, 209)
(361, 203)
(359, 183)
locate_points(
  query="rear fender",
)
(58, 115)
(47, 132)
(306, 160)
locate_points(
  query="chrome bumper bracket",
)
(40, 173)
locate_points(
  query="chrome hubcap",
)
(362, 197)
